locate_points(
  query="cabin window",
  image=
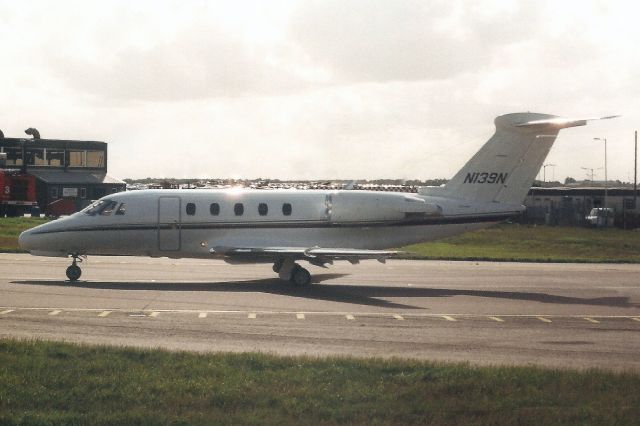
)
(83, 192)
(263, 209)
(238, 209)
(108, 208)
(54, 192)
(214, 209)
(286, 209)
(191, 209)
(122, 209)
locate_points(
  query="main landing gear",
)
(290, 271)
(74, 271)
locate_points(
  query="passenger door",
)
(169, 223)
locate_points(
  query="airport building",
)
(68, 173)
(570, 205)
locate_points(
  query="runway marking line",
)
(398, 317)
(104, 314)
(252, 315)
(497, 319)
(202, 315)
(591, 320)
(300, 316)
(350, 317)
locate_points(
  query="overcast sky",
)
(318, 89)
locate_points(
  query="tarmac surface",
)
(560, 315)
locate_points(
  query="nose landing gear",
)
(74, 271)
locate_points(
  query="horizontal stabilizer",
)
(562, 122)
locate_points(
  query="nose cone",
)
(38, 242)
(25, 240)
(48, 239)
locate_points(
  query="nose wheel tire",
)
(300, 276)
(74, 272)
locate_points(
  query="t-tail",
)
(505, 167)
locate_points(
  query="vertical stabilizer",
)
(505, 167)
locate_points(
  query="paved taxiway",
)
(571, 315)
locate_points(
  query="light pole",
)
(635, 173)
(605, 168)
(544, 171)
(592, 171)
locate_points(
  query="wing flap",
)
(315, 255)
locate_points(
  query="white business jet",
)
(283, 227)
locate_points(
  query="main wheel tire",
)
(277, 265)
(300, 276)
(74, 272)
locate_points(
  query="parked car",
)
(600, 217)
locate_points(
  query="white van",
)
(600, 217)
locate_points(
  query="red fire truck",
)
(17, 193)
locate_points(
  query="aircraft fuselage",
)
(193, 223)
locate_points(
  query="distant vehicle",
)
(283, 227)
(17, 191)
(600, 217)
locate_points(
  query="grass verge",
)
(513, 242)
(10, 229)
(59, 383)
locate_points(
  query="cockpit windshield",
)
(108, 208)
(102, 207)
(94, 208)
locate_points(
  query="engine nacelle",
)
(357, 206)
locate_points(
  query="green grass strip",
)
(10, 229)
(59, 383)
(513, 242)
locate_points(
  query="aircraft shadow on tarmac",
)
(344, 293)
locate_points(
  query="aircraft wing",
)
(314, 255)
